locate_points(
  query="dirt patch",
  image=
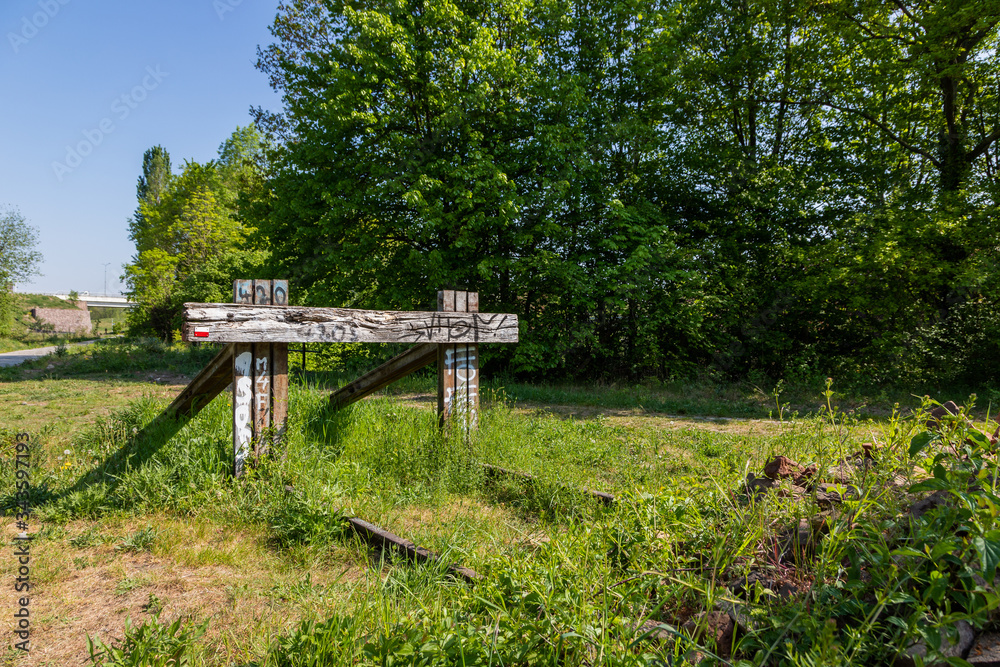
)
(92, 591)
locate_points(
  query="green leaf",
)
(936, 592)
(979, 439)
(989, 555)
(921, 441)
(933, 484)
(942, 548)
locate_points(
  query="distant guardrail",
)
(93, 300)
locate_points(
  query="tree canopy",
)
(19, 259)
(656, 187)
(190, 242)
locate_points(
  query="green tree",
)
(654, 186)
(507, 146)
(185, 228)
(153, 184)
(19, 260)
(921, 73)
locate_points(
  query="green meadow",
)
(148, 550)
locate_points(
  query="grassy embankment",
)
(134, 525)
(24, 335)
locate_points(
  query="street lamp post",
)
(106, 265)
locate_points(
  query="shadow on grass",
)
(532, 498)
(325, 426)
(135, 453)
(135, 447)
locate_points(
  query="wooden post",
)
(279, 368)
(260, 378)
(261, 375)
(243, 421)
(458, 369)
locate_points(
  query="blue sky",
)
(88, 86)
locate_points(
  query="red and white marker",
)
(201, 332)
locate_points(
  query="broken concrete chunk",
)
(738, 613)
(758, 485)
(940, 412)
(870, 450)
(921, 507)
(713, 628)
(985, 651)
(782, 467)
(961, 648)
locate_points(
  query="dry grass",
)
(196, 569)
(55, 409)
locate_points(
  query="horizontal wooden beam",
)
(396, 368)
(205, 386)
(234, 323)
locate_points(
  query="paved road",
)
(21, 356)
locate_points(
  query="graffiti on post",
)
(243, 392)
(461, 395)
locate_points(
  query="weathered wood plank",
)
(458, 369)
(446, 374)
(262, 292)
(279, 373)
(261, 396)
(261, 376)
(396, 368)
(467, 374)
(243, 385)
(243, 291)
(279, 292)
(242, 405)
(279, 389)
(205, 386)
(228, 323)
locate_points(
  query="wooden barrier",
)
(257, 328)
(260, 324)
(233, 323)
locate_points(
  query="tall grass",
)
(565, 580)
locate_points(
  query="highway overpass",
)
(94, 300)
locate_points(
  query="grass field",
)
(133, 527)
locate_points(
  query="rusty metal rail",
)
(389, 541)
